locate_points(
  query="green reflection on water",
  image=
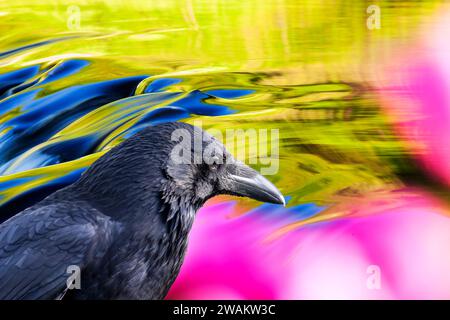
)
(311, 67)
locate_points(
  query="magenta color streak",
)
(228, 259)
(417, 95)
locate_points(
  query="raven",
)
(124, 224)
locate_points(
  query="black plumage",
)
(124, 223)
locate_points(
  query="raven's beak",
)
(246, 182)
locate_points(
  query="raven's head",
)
(199, 167)
(176, 162)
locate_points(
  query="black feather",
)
(124, 223)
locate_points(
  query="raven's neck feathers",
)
(130, 180)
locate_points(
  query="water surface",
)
(77, 80)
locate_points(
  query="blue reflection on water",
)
(42, 118)
(229, 93)
(159, 84)
(32, 115)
